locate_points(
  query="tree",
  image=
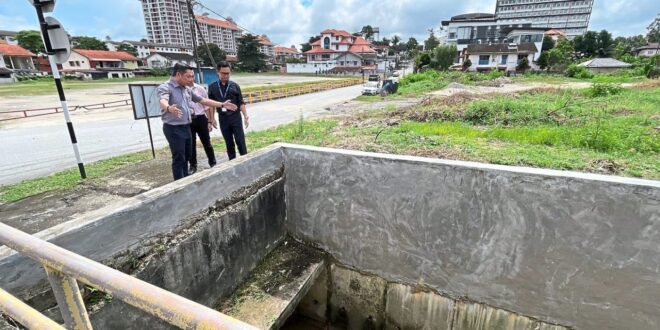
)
(412, 44)
(621, 50)
(395, 40)
(443, 57)
(249, 57)
(561, 55)
(92, 43)
(605, 44)
(128, 48)
(548, 43)
(543, 60)
(523, 65)
(422, 60)
(431, 42)
(31, 40)
(218, 54)
(586, 45)
(367, 32)
(308, 45)
(654, 31)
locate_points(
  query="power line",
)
(199, 3)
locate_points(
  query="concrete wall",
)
(143, 220)
(213, 260)
(570, 248)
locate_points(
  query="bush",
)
(604, 89)
(494, 74)
(159, 72)
(467, 64)
(580, 72)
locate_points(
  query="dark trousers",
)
(180, 141)
(200, 127)
(232, 129)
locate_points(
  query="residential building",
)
(15, 57)
(95, 64)
(605, 65)
(223, 33)
(648, 50)
(569, 16)
(166, 60)
(338, 51)
(526, 35)
(14, 60)
(168, 23)
(8, 37)
(503, 57)
(555, 34)
(266, 47)
(144, 49)
(477, 28)
(284, 53)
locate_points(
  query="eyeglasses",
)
(225, 73)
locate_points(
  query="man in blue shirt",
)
(175, 104)
(231, 123)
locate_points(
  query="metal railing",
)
(20, 114)
(65, 268)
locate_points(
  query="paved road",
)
(41, 146)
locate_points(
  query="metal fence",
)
(65, 269)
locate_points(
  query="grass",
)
(615, 134)
(558, 79)
(69, 178)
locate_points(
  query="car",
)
(370, 88)
(396, 74)
(374, 77)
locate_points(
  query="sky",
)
(291, 22)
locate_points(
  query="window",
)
(483, 59)
(336, 47)
(504, 59)
(464, 32)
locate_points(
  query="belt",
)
(197, 116)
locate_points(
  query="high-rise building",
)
(168, 22)
(569, 16)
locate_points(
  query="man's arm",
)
(245, 115)
(164, 95)
(227, 104)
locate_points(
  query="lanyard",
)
(224, 95)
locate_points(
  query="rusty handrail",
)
(24, 314)
(158, 302)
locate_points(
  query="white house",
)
(503, 57)
(266, 47)
(98, 64)
(144, 49)
(14, 59)
(648, 50)
(338, 51)
(8, 37)
(166, 60)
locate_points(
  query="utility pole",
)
(46, 25)
(193, 20)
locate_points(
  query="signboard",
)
(59, 40)
(145, 100)
(47, 6)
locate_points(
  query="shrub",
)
(467, 64)
(580, 72)
(604, 89)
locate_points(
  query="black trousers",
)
(199, 127)
(232, 129)
(179, 139)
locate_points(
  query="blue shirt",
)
(178, 95)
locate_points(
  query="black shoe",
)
(192, 169)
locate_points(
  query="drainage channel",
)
(299, 287)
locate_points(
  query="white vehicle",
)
(370, 88)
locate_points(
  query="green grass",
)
(68, 178)
(557, 79)
(615, 134)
